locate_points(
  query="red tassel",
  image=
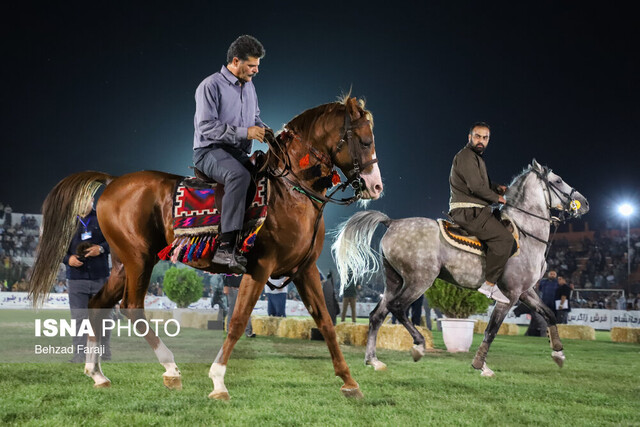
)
(164, 254)
(304, 162)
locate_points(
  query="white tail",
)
(352, 250)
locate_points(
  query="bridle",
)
(569, 205)
(354, 178)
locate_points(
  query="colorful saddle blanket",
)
(196, 218)
(458, 238)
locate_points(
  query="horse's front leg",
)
(310, 290)
(495, 321)
(250, 289)
(533, 301)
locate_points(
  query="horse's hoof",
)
(172, 383)
(353, 393)
(486, 372)
(377, 365)
(105, 384)
(220, 395)
(558, 357)
(417, 351)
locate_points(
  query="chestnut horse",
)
(135, 215)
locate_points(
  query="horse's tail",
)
(68, 199)
(352, 248)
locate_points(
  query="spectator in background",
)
(349, 300)
(87, 262)
(231, 286)
(218, 297)
(329, 291)
(547, 288)
(414, 312)
(60, 287)
(276, 298)
(562, 303)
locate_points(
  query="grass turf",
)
(279, 381)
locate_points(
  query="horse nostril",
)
(378, 188)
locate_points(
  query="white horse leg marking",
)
(92, 366)
(216, 373)
(558, 357)
(417, 351)
(165, 357)
(486, 372)
(377, 365)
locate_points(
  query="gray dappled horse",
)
(414, 255)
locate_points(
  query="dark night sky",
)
(111, 88)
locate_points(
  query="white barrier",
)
(596, 318)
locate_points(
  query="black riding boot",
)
(227, 253)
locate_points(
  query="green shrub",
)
(183, 286)
(456, 302)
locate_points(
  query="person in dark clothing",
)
(472, 193)
(328, 289)
(547, 288)
(349, 295)
(562, 301)
(231, 286)
(87, 261)
(414, 312)
(537, 325)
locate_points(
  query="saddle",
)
(197, 206)
(457, 237)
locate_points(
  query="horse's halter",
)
(569, 204)
(356, 152)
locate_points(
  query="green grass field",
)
(279, 381)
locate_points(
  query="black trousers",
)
(481, 223)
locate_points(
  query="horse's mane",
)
(304, 121)
(516, 188)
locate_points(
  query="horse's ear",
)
(535, 165)
(353, 109)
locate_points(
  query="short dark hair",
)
(243, 47)
(478, 125)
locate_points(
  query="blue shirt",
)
(225, 109)
(548, 289)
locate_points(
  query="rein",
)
(552, 220)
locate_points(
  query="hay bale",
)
(577, 332)
(196, 320)
(352, 333)
(290, 327)
(623, 334)
(396, 337)
(505, 328)
(265, 325)
(158, 314)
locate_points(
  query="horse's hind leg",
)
(138, 273)
(377, 316)
(533, 301)
(99, 309)
(310, 290)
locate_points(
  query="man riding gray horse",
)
(472, 193)
(414, 253)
